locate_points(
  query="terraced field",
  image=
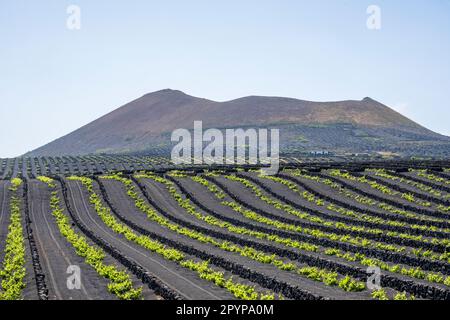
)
(309, 233)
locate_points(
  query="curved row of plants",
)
(340, 178)
(328, 277)
(202, 268)
(430, 179)
(387, 280)
(402, 227)
(426, 183)
(418, 251)
(416, 193)
(260, 216)
(241, 228)
(354, 253)
(315, 272)
(341, 227)
(440, 174)
(120, 281)
(383, 187)
(317, 262)
(423, 185)
(395, 217)
(12, 271)
(141, 273)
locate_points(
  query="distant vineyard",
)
(32, 167)
(138, 229)
(96, 164)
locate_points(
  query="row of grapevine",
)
(239, 228)
(202, 267)
(12, 270)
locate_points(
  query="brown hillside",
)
(135, 124)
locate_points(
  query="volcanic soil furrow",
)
(56, 254)
(186, 283)
(121, 201)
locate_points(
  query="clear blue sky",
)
(53, 80)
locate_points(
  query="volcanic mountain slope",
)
(343, 126)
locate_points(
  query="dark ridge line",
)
(404, 190)
(418, 289)
(375, 253)
(422, 211)
(153, 283)
(343, 204)
(289, 291)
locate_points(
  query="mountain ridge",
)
(147, 120)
